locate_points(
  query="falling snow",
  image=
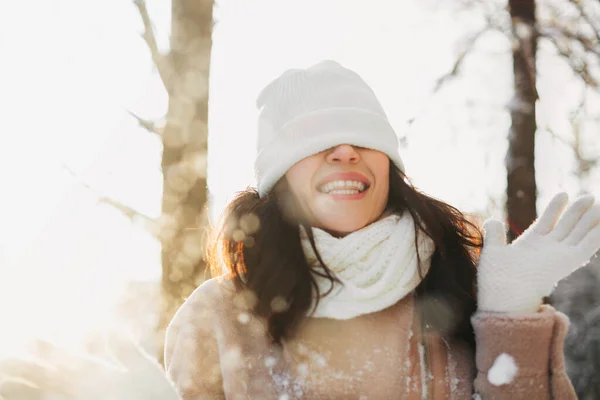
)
(503, 370)
(523, 30)
(270, 362)
(243, 318)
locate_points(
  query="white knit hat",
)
(306, 111)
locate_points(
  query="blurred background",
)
(128, 125)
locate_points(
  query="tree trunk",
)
(184, 216)
(521, 191)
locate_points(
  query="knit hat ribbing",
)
(306, 111)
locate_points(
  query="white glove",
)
(56, 373)
(515, 278)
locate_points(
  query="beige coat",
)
(216, 349)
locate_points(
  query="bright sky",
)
(72, 68)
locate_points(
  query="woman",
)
(342, 281)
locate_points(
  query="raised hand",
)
(59, 374)
(516, 277)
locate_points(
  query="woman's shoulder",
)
(204, 303)
(211, 295)
(194, 328)
(212, 290)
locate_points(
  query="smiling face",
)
(341, 189)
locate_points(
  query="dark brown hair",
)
(257, 242)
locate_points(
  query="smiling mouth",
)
(344, 187)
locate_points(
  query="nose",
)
(344, 153)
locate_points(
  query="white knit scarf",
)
(376, 264)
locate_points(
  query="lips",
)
(345, 176)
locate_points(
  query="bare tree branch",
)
(580, 68)
(453, 72)
(442, 80)
(584, 164)
(555, 32)
(150, 224)
(150, 126)
(557, 137)
(161, 62)
(135, 216)
(577, 4)
(78, 178)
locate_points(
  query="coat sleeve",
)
(191, 352)
(520, 356)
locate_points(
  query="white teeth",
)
(344, 192)
(343, 187)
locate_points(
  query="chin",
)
(342, 229)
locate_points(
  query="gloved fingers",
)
(29, 370)
(38, 373)
(17, 389)
(68, 361)
(591, 242)
(494, 233)
(551, 214)
(571, 218)
(587, 222)
(127, 350)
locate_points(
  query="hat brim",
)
(319, 131)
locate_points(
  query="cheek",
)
(299, 176)
(300, 185)
(381, 170)
(383, 190)
(300, 181)
(382, 177)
